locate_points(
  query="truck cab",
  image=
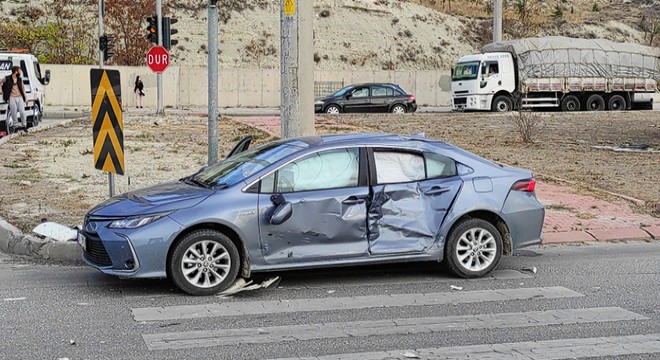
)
(483, 82)
(34, 83)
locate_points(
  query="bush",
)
(527, 123)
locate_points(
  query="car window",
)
(381, 91)
(360, 93)
(329, 169)
(398, 167)
(439, 166)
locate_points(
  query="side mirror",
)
(483, 83)
(47, 77)
(282, 213)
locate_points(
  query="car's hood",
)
(324, 99)
(158, 198)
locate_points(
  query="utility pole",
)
(497, 21)
(297, 68)
(111, 176)
(159, 77)
(213, 80)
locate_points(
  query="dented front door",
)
(324, 225)
(315, 209)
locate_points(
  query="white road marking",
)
(530, 350)
(346, 303)
(405, 326)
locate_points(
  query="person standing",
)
(139, 92)
(14, 93)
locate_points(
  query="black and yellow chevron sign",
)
(107, 122)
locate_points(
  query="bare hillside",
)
(381, 34)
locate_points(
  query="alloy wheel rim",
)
(205, 264)
(398, 110)
(476, 249)
(333, 110)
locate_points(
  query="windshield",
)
(342, 92)
(466, 71)
(242, 165)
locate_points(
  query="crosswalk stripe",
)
(530, 350)
(407, 326)
(346, 303)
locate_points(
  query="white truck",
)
(568, 73)
(33, 82)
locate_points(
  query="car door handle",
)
(353, 200)
(436, 190)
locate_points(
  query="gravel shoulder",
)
(50, 174)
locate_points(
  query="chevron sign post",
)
(107, 123)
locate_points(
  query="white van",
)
(33, 82)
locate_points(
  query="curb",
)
(13, 241)
(603, 235)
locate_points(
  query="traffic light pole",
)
(159, 77)
(111, 176)
(213, 81)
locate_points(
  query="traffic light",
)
(152, 29)
(168, 32)
(106, 44)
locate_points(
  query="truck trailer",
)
(567, 73)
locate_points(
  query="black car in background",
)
(367, 98)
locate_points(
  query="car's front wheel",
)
(332, 109)
(204, 262)
(473, 249)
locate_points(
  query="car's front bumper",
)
(140, 252)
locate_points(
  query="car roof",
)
(364, 138)
(370, 84)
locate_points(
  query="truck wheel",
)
(502, 103)
(570, 103)
(616, 103)
(595, 102)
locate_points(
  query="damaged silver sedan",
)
(317, 202)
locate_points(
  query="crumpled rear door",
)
(405, 218)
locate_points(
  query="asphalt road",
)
(598, 301)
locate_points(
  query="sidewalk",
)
(570, 216)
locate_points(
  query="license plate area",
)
(82, 241)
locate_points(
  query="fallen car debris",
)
(241, 285)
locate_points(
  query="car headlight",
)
(318, 102)
(136, 221)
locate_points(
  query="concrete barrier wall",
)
(187, 87)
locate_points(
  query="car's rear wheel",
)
(332, 109)
(204, 262)
(473, 249)
(398, 109)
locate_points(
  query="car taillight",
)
(525, 185)
(412, 98)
